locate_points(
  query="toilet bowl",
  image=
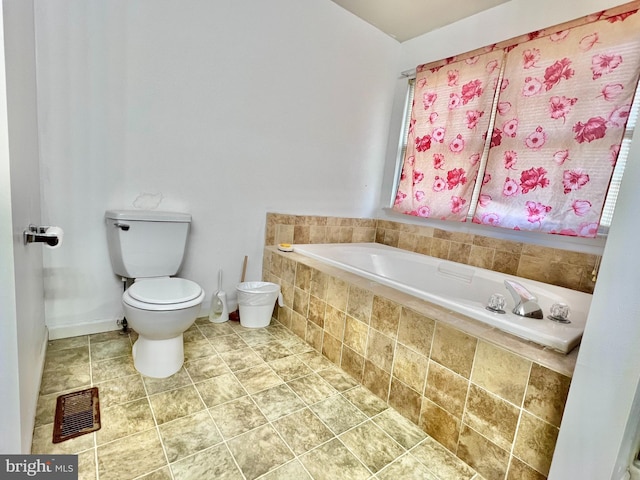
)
(160, 310)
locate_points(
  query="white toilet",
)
(148, 246)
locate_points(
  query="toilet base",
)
(158, 358)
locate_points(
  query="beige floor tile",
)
(302, 431)
(278, 401)
(241, 359)
(402, 430)
(64, 378)
(338, 414)
(289, 368)
(259, 451)
(406, 468)
(333, 460)
(122, 420)
(131, 456)
(289, 471)
(213, 463)
(120, 390)
(220, 389)
(372, 446)
(206, 367)
(237, 417)
(188, 435)
(43, 442)
(110, 349)
(232, 387)
(258, 378)
(112, 368)
(174, 404)
(157, 385)
(366, 401)
(312, 388)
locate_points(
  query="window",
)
(529, 48)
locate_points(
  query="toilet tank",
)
(146, 243)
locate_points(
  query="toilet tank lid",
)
(148, 215)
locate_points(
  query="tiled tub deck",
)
(492, 399)
(247, 404)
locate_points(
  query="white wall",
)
(600, 428)
(23, 334)
(224, 109)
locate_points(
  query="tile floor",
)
(247, 404)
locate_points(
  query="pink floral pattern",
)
(451, 113)
(568, 102)
(564, 101)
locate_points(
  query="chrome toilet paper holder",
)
(39, 234)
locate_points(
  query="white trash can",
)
(256, 301)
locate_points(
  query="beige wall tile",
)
(440, 248)
(391, 238)
(487, 458)
(405, 400)
(301, 234)
(298, 324)
(506, 262)
(416, 331)
(360, 303)
(446, 388)
(300, 302)
(287, 294)
(313, 336)
(535, 442)
(355, 335)
(410, 367)
(284, 234)
(317, 311)
(521, 471)
(454, 349)
(501, 372)
(331, 348)
(380, 350)
(288, 271)
(318, 284)
(440, 424)
(334, 321)
(364, 234)
(459, 252)
(303, 276)
(481, 257)
(491, 416)
(385, 316)
(352, 363)
(317, 234)
(407, 241)
(376, 380)
(423, 245)
(547, 394)
(337, 293)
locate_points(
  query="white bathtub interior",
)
(461, 288)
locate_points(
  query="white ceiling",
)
(406, 19)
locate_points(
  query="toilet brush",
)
(217, 303)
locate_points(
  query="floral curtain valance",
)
(564, 101)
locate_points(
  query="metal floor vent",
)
(77, 413)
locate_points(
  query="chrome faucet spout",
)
(526, 302)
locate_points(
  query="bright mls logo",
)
(57, 467)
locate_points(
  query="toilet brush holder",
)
(221, 313)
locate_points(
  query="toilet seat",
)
(161, 294)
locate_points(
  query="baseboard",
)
(75, 330)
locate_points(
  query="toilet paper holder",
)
(39, 234)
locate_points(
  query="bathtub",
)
(460, 288)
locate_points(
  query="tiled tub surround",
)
(549, 265)
(247, 404)
(492, 399)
